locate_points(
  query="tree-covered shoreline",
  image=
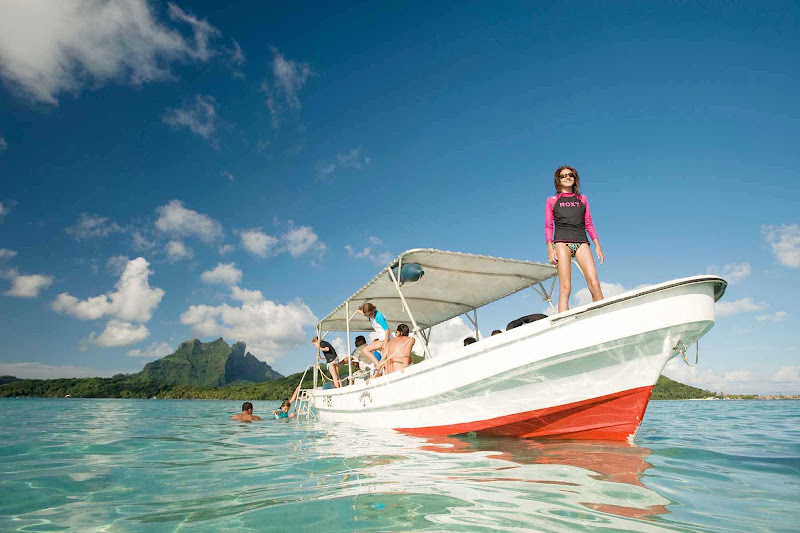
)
(133, 386)
(125, 386)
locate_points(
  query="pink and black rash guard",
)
(570, 216)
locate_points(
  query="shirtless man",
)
(398, 351)
(247, 413)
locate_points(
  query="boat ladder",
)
(303, 400)
(304, 405)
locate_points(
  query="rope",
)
(681, 348)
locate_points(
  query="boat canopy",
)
(453, 283)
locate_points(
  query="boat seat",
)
(527, 319)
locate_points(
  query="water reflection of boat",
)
(611, 461)
(503, 484)
(586, 373)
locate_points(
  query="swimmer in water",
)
(283, 412)
(247, 414)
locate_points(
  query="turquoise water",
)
(161, 465)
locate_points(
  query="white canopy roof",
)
(453, 284)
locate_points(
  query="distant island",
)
(196, 370)
(215, 370)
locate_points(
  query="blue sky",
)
(237, 169)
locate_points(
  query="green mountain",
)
(208, 364)
(668, 389)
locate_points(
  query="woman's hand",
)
(599, 251)
(552, 256)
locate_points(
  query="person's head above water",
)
(566, 178)
(285, 405)
(247, 407)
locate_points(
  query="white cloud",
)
(93, 226)
(742, 305)
(226, 249)
(363, 254)
(777, 316)
(4, 209)
(50, 47)
(268, 328)
(203, 32)
(89, 309)
(449, 336)
(704, 378)
(257, 242)
(177, 251)
(3, 144)
(733, 273)
(237, 55)
(178, 221)
(287, 78)
(787, 374)
(301, 240)
(199, 116)
(26, 286)
(5, 253)
(785, 243)
(117, 264)
(156, 350)
(736, 376)
(583, 296)
(35, 370)
(133, 300)
(228, 175)
(222, 274)
(376, 252)
(735, 381)
(119, 333)
(351, 159)
(246, 295)
(142, 243)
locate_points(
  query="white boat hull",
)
(584, 374)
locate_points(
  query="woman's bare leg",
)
(564, 276)
(586, 262)
(337, 382)
(368, 349)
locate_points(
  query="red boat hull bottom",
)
(613, 417)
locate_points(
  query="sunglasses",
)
(567, 175)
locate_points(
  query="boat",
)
(585, 373)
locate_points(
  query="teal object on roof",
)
(409, 272)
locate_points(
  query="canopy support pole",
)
(408, 310)
(316, 363)
(349, 353)
(546, 295)
(474, 320)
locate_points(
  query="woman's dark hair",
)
(286, 403)
(576, 187)
(402, 329)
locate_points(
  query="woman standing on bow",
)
(566, 220)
